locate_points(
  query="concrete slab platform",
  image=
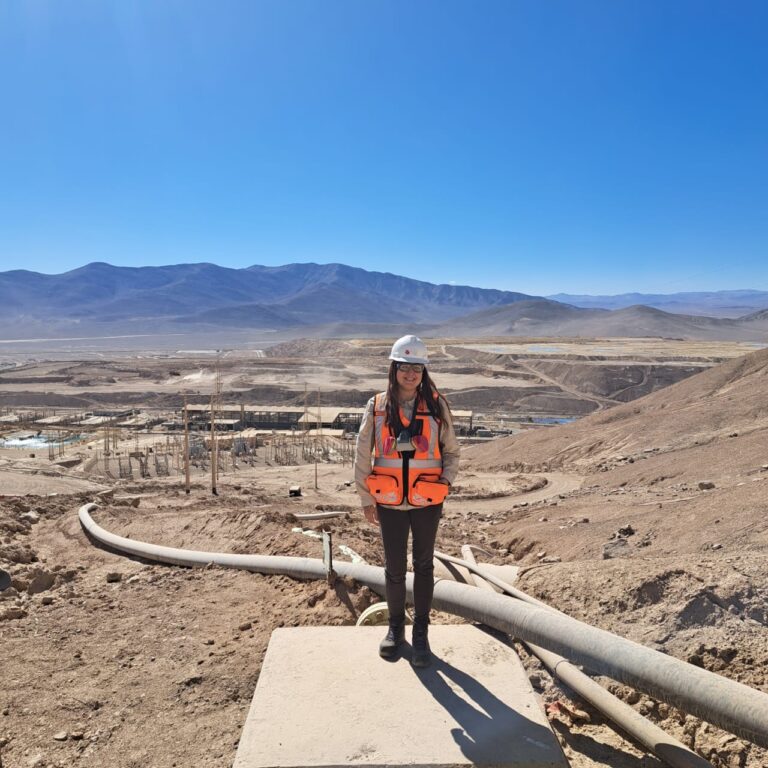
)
(325, 698)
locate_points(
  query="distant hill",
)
(101, 298)
(710, 303)
(754, 317)
(544, 317)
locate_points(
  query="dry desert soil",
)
(646, 518)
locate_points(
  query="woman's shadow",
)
(490, 731)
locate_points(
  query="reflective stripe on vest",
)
(413, 463)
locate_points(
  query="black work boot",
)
(421, 655)
(390, 645)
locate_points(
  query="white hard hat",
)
(409, 349)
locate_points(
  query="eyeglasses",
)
(410, 367)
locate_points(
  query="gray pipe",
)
(722, 702)
(318, 515)
(506, 588)
(658, 741)
(664, 746)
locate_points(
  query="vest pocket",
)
(384, 488)
(427, 491)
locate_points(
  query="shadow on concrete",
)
(491, 732)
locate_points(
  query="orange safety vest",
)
(410, 475)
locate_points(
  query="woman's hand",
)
(371, 514)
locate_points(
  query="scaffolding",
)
(302, 448)
(161, 465)
(124, 468)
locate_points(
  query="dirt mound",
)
(310, 348)
(35, 481)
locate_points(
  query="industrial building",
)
(236, 417)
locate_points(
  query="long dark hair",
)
(426, 391)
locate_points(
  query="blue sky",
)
(585, 147)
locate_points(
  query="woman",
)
(410, 432)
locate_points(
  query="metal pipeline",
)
(658, 741)
(506, 588)
(725, 703)
(318, 515)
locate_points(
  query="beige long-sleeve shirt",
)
(449, 448)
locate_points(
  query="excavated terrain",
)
(546, 377)
(646, 519)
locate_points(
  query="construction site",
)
(510, 254)
(186, 576)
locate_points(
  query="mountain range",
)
(102, 297)
(327, 300)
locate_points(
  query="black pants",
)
(395, 525)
